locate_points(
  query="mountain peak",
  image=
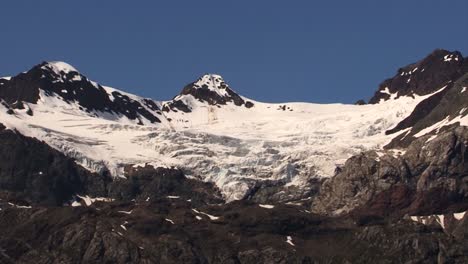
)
(438, 69)
(209, 88)
(59, 71)
(211, 82)
(62, 81)
(59, 67)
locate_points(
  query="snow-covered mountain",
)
(212, 133)
(380, 182)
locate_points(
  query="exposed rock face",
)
(430, 177)
(424, 168)
(149, 183)
(209, 88)
(33, 172)
(159, 216)
(444, 108)
(175, 231)
(423, 77)
(60, 79)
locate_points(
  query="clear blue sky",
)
(315, 51)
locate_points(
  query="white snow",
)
(75, 204)
(289, 241)
(228, 145)
(448, 57)
(385, 91)
(89, 200)
(60, 66)
(212, 217)
(393, 96)
(19, 206)
(212, 82)
(459, 216)
(169, 220)
(440, 219)
(172, 197)
(267, 206)
(462, 119)
(463, 89)
(6, 78)
(431, 138)
(125, 212)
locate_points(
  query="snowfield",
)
(229, 145)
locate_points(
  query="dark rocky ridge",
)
(171, 231)
(203, 93)
(430, 178)
(424, 77)
(35, 173)
(448, 104)
(73, 87)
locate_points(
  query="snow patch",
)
(20, 206)
(450, 57)
(60, 66)
(213, 82)
(462, 119)
(267, 206)
(289, 241)
(212, 217)
(89, 200)
(459, 216)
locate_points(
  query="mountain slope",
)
(317, 183)
(62, 81)
(211, 89)
(437, 70)
(227, 141)
(209, 131)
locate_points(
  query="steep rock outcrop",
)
(210, 89)
(423, 77)
(35, 173)
(430, 177)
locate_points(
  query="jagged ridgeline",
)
(92, 174)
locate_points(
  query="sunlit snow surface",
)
(232, 146)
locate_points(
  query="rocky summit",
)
(93, 174)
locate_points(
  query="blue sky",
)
(314, 51)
